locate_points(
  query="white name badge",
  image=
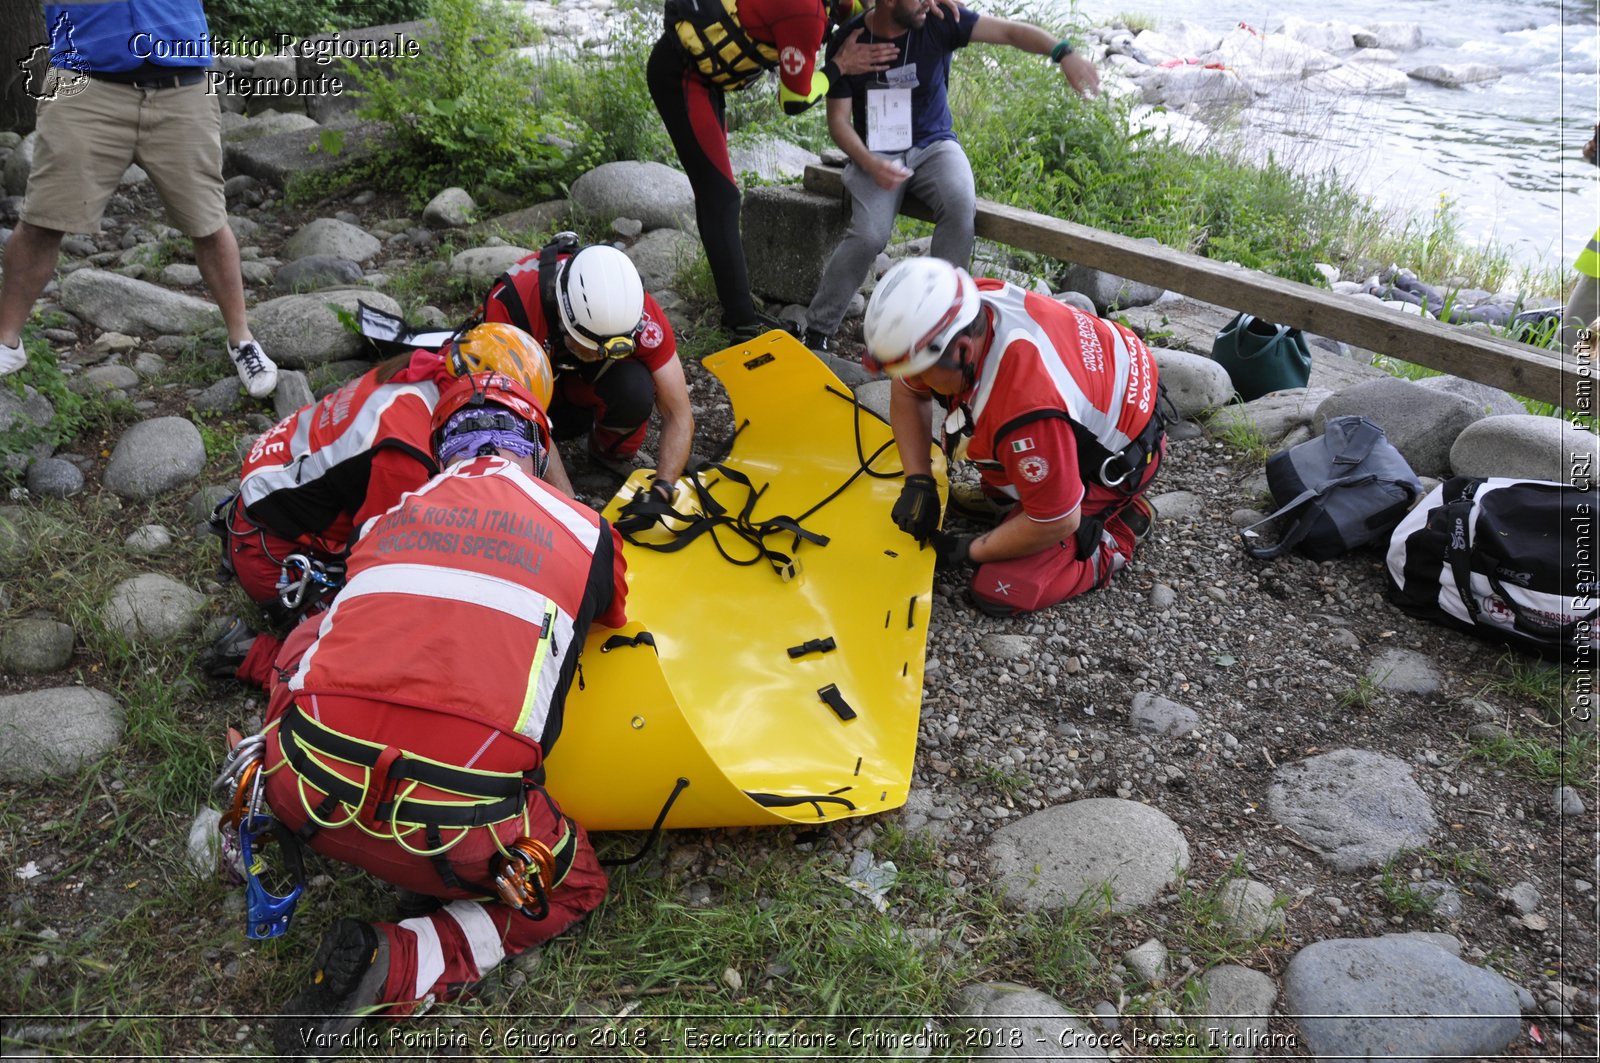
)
(889, 119)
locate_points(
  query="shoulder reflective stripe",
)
(1013, 323)
(362, 433)
(449, 584)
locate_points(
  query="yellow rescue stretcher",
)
(781, 693)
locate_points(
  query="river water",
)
(1505, 153)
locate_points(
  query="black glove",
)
(644, 508)
(950, 550)
(916, 512)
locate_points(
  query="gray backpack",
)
(1344, 489)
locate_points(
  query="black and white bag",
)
(1511, 560)
(1344, 489)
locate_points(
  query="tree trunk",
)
(21, 31)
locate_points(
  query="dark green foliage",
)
(464, 112)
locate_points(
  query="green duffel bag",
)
(1261, 357)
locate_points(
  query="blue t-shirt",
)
(929, 48)
(118, 36)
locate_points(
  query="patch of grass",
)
(1401, 894)
(1571, 762)
(1244, 436)
(1363, 695)
(42, 373)
(1207, 932)
(1460, 863)
(1007, 784)
(1528, 682)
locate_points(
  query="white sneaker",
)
(12, 358)
(257, 372)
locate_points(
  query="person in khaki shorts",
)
(127, 84)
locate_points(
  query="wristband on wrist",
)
(1062, 49)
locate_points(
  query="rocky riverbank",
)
(1357, 808)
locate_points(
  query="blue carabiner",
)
(266, 915)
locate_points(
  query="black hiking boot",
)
(346, 980)
(221, 659)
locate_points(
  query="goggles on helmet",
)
(610, 348)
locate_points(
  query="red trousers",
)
(1057, 573)
(437, 956)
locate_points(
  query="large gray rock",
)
(480, 266)
(1328, 36)
(34, 646)
(1454, 75)
(1274, 56)
(1422, 423)
(1491, 400)
(1108, 291)
(1023, 1023)
(1239, 1003)
(1194, 382)
(451, 209)
(152, 608)
(1359, 79)
(289, 160)
(54, 478)
(1357, 808)
(116, 303)
(1074, 852)
(1526, 447)
(375, 63)
(18, 165)
(32, 409)
(788, 235)
(539, 218)
(1179, 87)
(661, 255)
(1186, 40)
(332, 237)
(1396, 36)
(1397, 999)
(1272, 416)
(316, 271)
(265, 124)
(654, 193)
(54, 732)
(770, 158)
(155, 456)
(293, 391)
(301, 331)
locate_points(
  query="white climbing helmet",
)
(600, 299)
(918, 307)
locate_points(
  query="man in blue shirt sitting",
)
(896, 128)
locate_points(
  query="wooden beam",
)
(1462, 352)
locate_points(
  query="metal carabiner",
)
(1119, 480)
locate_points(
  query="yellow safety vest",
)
(716, 43)
(1589, 258)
